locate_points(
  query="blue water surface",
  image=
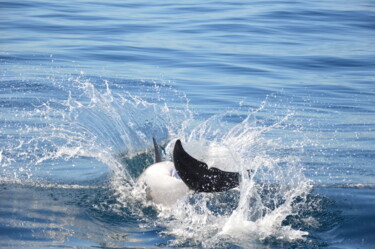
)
(85, 86)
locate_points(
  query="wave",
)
(36, 184)
(348, 185)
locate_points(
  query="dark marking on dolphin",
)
(198, 177)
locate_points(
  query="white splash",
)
(271, 183)
(99, 123)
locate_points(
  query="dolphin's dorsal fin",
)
(198, 177)
(158, 156)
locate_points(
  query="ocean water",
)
(283, 89)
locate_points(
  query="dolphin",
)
(166, 182)
(198, 177)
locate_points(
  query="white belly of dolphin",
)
(164, 186)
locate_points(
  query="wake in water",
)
(95, 124)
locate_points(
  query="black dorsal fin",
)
(158, 156)
(198, 177)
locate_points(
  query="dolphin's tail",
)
(198, 177)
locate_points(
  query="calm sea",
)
(282, 89)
